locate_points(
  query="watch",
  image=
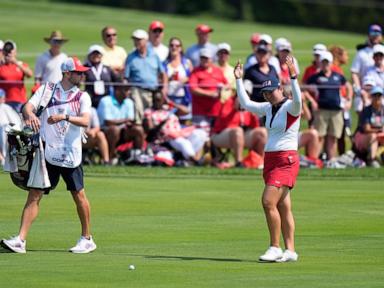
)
(66, 117)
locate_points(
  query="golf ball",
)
(131, 267)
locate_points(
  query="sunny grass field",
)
(199, 227)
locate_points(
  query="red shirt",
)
(208, 79)
(230, 117)
(309, 71)
(14, 92)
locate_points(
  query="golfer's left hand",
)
(238, 70)
(291, 66)
(55, 118)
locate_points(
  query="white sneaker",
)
(288, 256)
(14, 244)
(83, 246)
(272, 254)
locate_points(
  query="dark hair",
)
(8, 47)
(181, 45)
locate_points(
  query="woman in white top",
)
(281, 162)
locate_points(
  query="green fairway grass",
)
(199, 228)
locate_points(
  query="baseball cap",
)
(319, 48)
(378, 48)
(270, 84)
(326, 56)
(1, 44)
(140, 34)
(203, 28)
(283, 44)
(224, 46)
(266, 38)
(262, 47)
(375, 30)
(255, 38)
(205, 53)
(376, 90)
(369, 80)
(2, 93)
(156, 25)
(73, 64)
(96, 48)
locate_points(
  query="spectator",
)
(206, 82)
(363, 58)
(362, 96)
(47, 68)
(203, 34)
(223, 54)
(340, 57)
(8, 116)
(1, 51)
(99, 76)
(236, 129)
(264, 39)
(370, 131)
(283, 49)
(13, 72)
(178, 69)
(143, 69)
(259, 72)
(117, 119)
(189, 140)
(315, 67)
(329, 118)
(96, 137)
(114, 55)
(156, 35)
(376, 71)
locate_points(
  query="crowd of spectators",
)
(162, 104)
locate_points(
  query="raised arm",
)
(295, 108)
(246, 103)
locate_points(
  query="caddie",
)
(60, 124)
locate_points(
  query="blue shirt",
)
(143, 71)
(329, 95)
(110, 109)
(193, 53)
(257, 78)
(371, 116)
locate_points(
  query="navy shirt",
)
(257, 78)
(371, 116)
(329, 89)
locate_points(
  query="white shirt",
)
(377, 74)
(361, 62)
(283, 127)
(48, 67)
(161, 50)
(62, 134)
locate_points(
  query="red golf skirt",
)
(281, 168)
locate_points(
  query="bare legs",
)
(277, 208)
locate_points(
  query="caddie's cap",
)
(270, 85)
(140, 34)
(73, 64)
(156, 25)
(203, 28)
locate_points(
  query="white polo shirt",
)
(361, 62)
(48, 67)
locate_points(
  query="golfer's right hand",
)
(33, 121)
(238, 72)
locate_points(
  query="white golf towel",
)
(38, 176)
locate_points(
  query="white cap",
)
(369, 80)
(326, 56)
(224, 46)
(204, 52)
(378, 48)
(94, 48)
(1, 44)
(279, 41)
(283, 44)
(319, 48)
(140, 34)
(266, 38)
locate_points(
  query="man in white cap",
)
(315, 65)
(60, 126)
(223, 55)
(143, 69)
(376, 71)
(99, 76)
(328, 119)
(47, 68)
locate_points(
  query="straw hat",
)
(56, 35)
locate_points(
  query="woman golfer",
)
(281, 162)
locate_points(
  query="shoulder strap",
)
(49, 90)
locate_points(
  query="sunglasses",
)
(174, 45)
(111, 35)
(157, 30)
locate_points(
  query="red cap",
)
(255, 38)
(156, 25)
(73, 64)
(202, 28)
